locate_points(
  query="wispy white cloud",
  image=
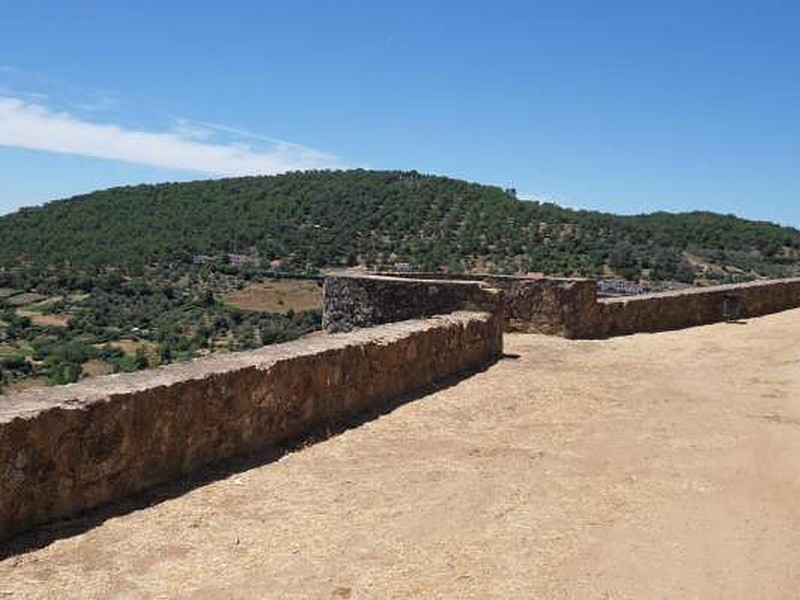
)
(188, 146)
(209, 128)
(99, 101)
(192, 130)
(35, 95)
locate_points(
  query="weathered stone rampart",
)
(66, 449)
(530, 304)
(688, 308)
(570, 307)
(550, 305)
(352, 302)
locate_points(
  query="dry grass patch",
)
(278, 296)
(51, 320)
(95, 368)
(25, 298)
(130, 347)
(46, 303)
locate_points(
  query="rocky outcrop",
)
(66, 449)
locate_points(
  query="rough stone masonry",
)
(570, 307)
(67, 449)
(71, 448)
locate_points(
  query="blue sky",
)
(619, 106)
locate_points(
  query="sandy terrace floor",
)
(651, 466)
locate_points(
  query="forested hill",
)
(319, 219)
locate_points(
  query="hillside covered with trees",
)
(311, 220)
(136, 277)
(56, 328)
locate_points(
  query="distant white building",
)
(239, 260)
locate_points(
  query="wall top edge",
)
(695, 291)
(78, 395)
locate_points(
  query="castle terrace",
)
(646, 466)
(131, 440)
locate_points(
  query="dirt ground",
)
(650, 466)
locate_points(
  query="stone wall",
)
(66, 449)
(687, 308)
(571, 307)
(357, 301)
(548, 305)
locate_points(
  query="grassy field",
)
(61, 324)
(25, 299)
(278, 296)
(34, 306)
(51, 320)
(130, 347)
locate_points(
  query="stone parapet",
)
(688, 308)
(358, 301)
(550, 305)
(71, 448)
(570, 307)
